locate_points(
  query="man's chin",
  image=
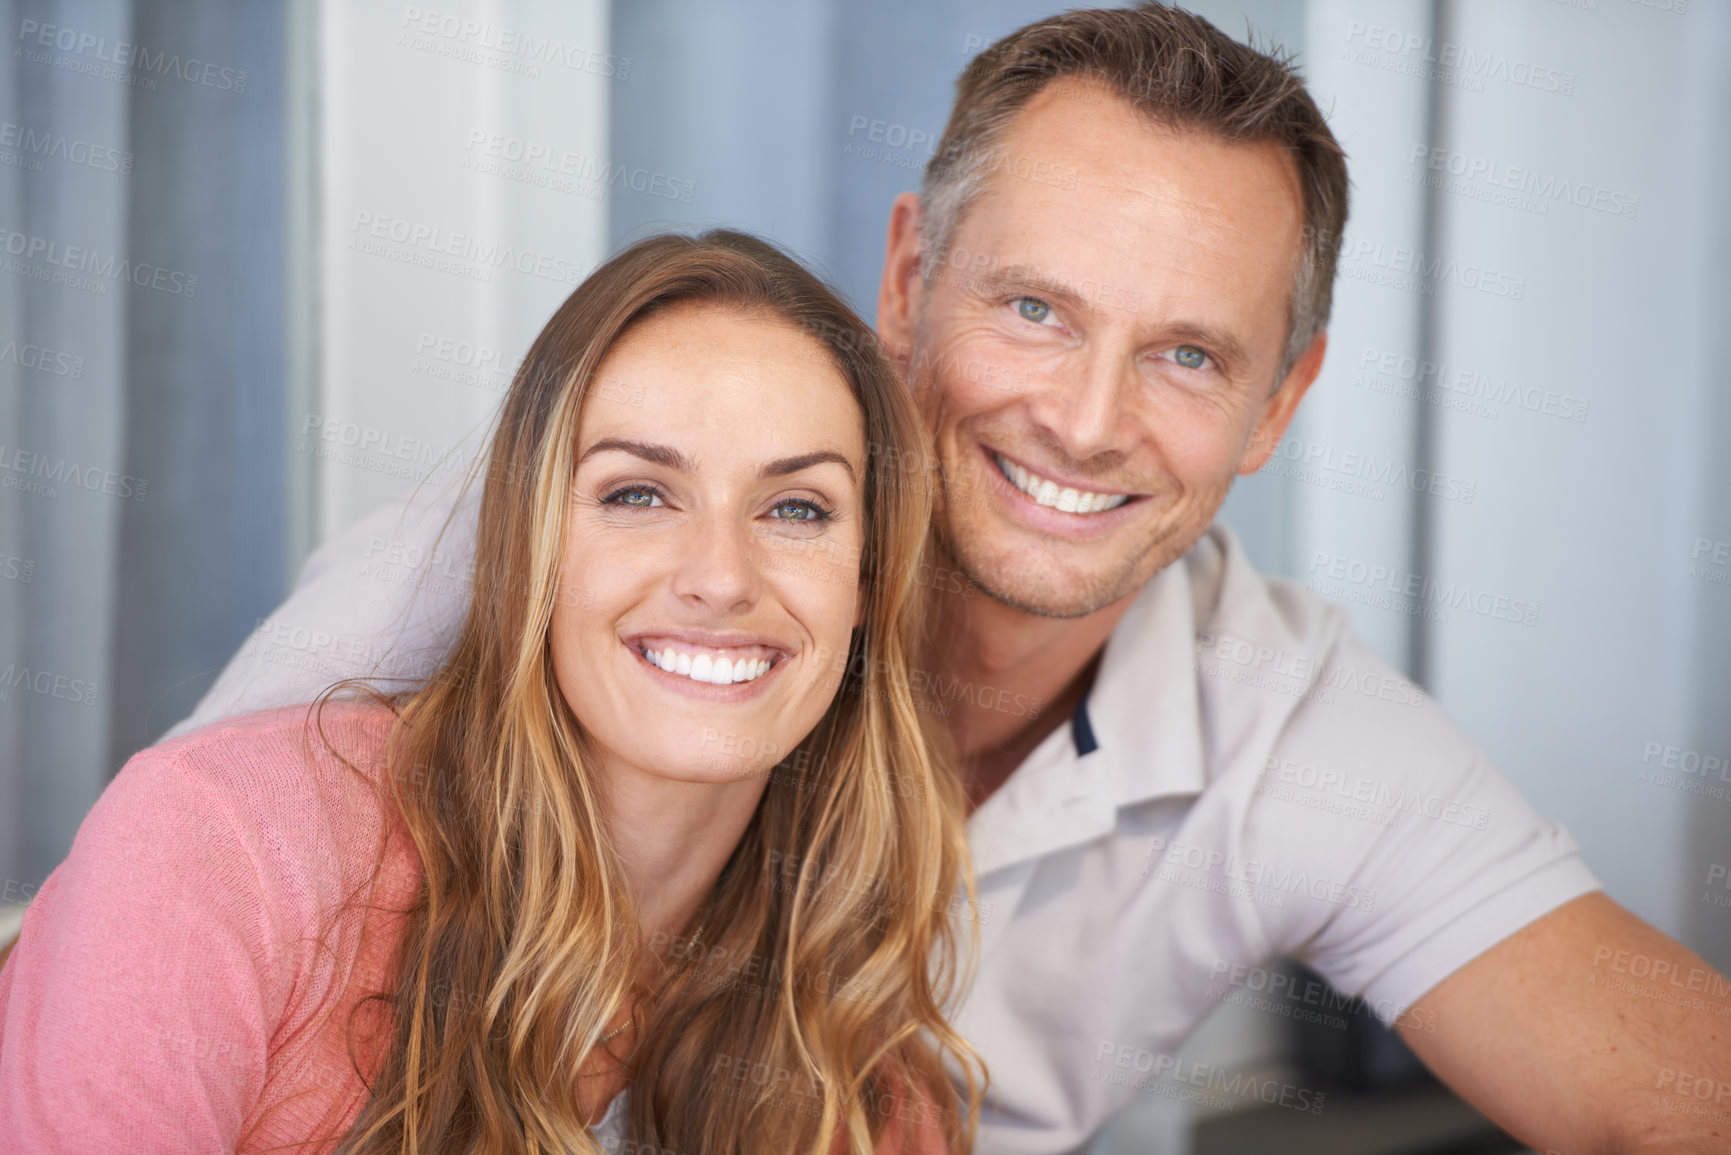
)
(1051, 580)
(1046, 591)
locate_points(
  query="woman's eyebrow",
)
(671, 458)
(785, 465)
(663, 455)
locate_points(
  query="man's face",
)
(1097, 355)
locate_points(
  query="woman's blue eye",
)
(635, 496)
(799, 511)
(1190, 357)
(1033, 309)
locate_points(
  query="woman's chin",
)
(711, 754)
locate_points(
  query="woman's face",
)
(709, 570)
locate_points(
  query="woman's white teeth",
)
(1049, 493)
(703, 668)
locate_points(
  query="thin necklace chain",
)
(616, 1031)
(629, 1017)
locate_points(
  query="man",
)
(1111, 296)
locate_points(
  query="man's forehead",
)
(1087, 186)
(1075, 135)
(1082, 110)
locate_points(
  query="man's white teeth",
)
(703, 668)
(1049, 493)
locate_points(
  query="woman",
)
(661, 848)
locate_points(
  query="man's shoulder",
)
(1278, 666)
(1272, 625)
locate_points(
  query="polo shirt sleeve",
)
(384, 601)
(1418, 854)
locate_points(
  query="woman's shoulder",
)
(266, 735)
(190, 930)
(296, 787)
(293, 754)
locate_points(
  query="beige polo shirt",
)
(1245, 780)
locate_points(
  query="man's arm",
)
(1483, 938)
(382, 600)
(1587, 1031)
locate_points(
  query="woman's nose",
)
(719, 569)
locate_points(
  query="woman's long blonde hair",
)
(814, 992)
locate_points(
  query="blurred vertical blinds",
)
(142, 177)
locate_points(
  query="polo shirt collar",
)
(1141, 721)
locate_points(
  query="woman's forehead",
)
(725, 382)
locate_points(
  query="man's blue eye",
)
(1190, 357)
(1033, 309)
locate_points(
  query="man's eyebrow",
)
(1032, 279)
(1037, 282)
(1224, 344)
(671, 458)
(663, 455)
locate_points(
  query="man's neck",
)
(1005, 678)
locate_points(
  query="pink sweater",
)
(166, 993)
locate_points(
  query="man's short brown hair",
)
(1182, 72)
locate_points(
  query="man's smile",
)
(1056, 495)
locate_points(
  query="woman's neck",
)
(673, 838)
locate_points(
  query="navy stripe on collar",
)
(1082, 730)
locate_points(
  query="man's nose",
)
(1082, 406)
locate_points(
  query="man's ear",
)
(901, 290)
(1278, 410)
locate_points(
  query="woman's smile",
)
(710, 667)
